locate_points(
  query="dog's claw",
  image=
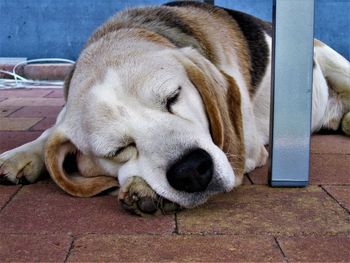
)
(138, 198)
(4, 180)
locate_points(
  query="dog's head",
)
(160, 115)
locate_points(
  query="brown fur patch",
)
(218, 45)
(144, 22)
(208, 94)
(153, 37)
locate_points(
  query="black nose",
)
(192, 172)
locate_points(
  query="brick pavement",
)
(254, 223)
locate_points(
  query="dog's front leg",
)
(26, 163)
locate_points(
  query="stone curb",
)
(52, 71)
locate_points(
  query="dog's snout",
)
(192, 172)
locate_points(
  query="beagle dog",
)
(170, 105)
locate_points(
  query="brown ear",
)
(57, 148)
(222, 99)
(198, 74)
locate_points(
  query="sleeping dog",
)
(171, 104)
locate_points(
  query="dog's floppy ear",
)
(57, 148)
(198, 74)
(222, 101)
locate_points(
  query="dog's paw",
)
(264, 155)
(258, 160)
(20, 167)
(345, 124)
(137, 197)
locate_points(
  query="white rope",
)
(21, 82)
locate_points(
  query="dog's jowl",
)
(170, 104)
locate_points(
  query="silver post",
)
(291, 92)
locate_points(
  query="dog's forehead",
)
(148, 86)
(150, 74)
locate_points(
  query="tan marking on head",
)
(151, 36)
(238, 42)
(219, 45)
(195, 23)
(123, 20)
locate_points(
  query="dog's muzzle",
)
(192, 172)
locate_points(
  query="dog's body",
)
(174, 102)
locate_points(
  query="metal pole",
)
(291, 92)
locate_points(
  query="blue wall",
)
(51, 28)
(332, 19)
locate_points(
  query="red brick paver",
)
(7, 110)
(259, 175)
(37, 111)
(175, 248)
(330, 168)
(12, 139)
(6, 193)
(325, 168)
(334, 143)
(32, 101)
(316, 249)
(253, 223)
(44, 124)
(341, 193)
(58, 93)
(25, 93)
(43, 208)
(17, 124)
(281, 212)
(34, 248)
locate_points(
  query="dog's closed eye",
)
(172, 99)
(123, 153)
